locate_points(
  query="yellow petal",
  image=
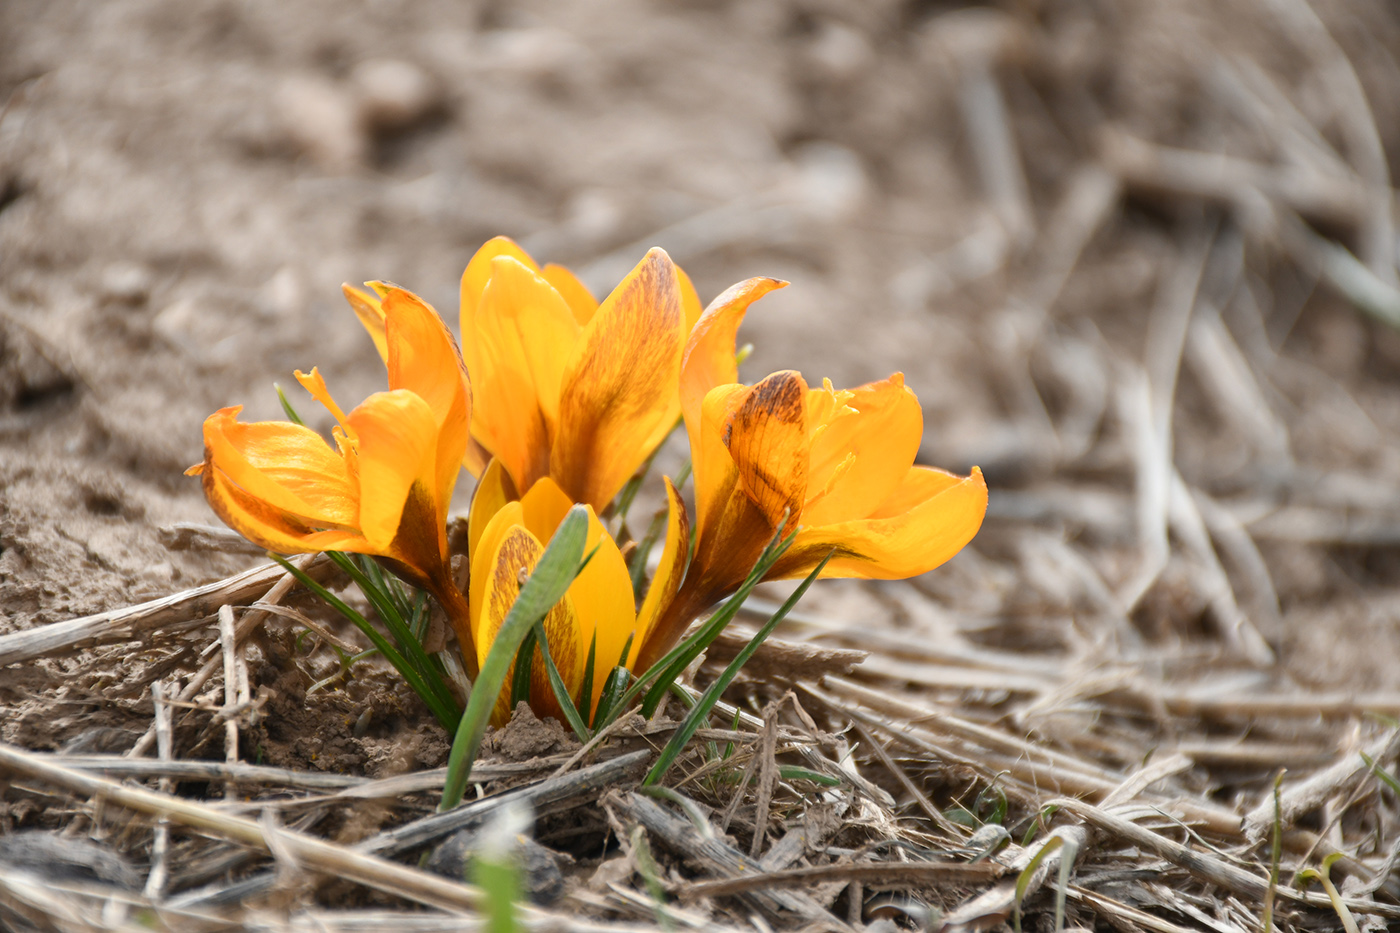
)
(270, 527)
(863, 452)
(930, 517)
(602, 596)
(579, 298)
(370, 311)
(497, 527)
(288, 466)
(767, 437)
(493, 491)
(668, 573)
(474, 279)
(602, 593)
(423, 358)
(524, 337)
(709, 350)
(397, 434)
(619, 396)
(513, 557)
(278, 484)
(543, 508)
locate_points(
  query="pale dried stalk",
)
(250, 621)
(134, 622)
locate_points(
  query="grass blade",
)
(291, 412)
(665, 671)
(556, 569)
(561, 692)
(428, 671)
(445, 710)
(701, 711)
(524, 667)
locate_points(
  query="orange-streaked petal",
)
(266, 525)
(861, 455)
(708, 360)
(716, 476)
(619, 399)
(288, 466)
(525, 335)
(574, 292)
(767, 437)
(513, 557)
(492, 492)
(397, 434)
(474, 279)
(668, 573)
(369, 309)
(497, 527)
(423, 359)
(930, 517)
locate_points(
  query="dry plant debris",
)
(1175, 217)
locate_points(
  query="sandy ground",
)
(183, 188)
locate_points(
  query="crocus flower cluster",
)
(554, 400)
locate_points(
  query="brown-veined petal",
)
(863, 452)
(474, 279)
(288, 466)
(579, 298)
(268, 526)
(619, 393)
(930, 517)
(397, 434)
(767, 437)
(708, 360)
(497, 527)
(512, 558)
(493, 491)
(669, 572)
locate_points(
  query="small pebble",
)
(126, 282)
(322, 120)
(394, 94)
(543, 881)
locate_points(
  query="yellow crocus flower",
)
(506, 538)
(838, 464)
(565, 387)
(384, 489)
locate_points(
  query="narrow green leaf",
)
(412, 649)
(707, 700)
(291, 412)
(446, 713)
(665, 671)
(610, 701)
(585, 691)
(561, 692)
(794, 773)
(524, 668)
(1023, 880)
(556, 569)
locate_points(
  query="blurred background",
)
(1137, 258)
